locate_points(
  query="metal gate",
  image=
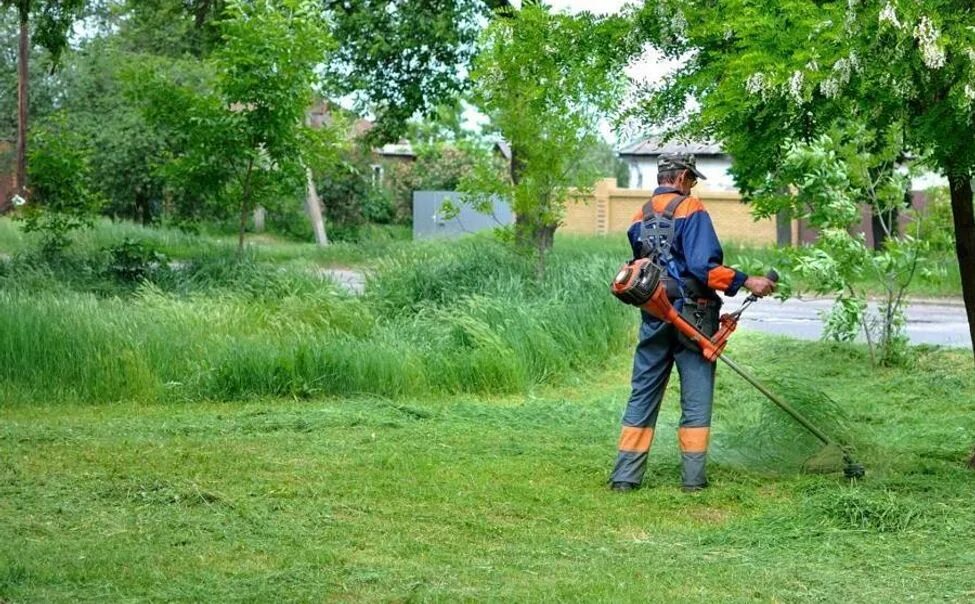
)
(429, 221)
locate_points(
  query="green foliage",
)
(42, 86)
(936, 227)
(99, 90)
(825, 182)
(51, 22)
(351, 195)
(768, 71)
(165, 28)
(242, 139)
(134, 261)
(401, 58)
(442, 166)
(62, 195)
(548, 108)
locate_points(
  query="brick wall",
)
(608, 209)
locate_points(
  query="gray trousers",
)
(656, 352)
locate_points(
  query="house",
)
(641, 158)
(712, 161)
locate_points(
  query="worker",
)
(674, 230)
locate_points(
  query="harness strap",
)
(657, 240)
(668, 212)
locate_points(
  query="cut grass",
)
(370, 499)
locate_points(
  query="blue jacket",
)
(696, 249)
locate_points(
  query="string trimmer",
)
(639, 283)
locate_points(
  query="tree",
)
(243, 140)
(63, 198)
(51, 21)
(402, 57)
(96, 90)
(825, 182)
(545, 80)
(768, 70)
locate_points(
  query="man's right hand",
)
(760, 286)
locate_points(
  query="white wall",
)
(643, 173)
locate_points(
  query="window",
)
(377, 175)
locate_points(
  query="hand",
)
(760, 286)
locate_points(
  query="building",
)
(641, 158)
(713, 162)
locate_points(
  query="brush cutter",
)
(640, 283)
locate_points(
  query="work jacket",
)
(696, 250)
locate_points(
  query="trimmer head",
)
(853, 470)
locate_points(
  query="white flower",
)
(927, 38)
(678, 23)
(812, 65)
(843, 69)
(829, 87)
(795, 86)
(889, 15)
(756, 83)
(970, 52)
(970, 92)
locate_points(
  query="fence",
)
(609, 209)
(429, 220)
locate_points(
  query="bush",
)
(132, 261)
(62, 198)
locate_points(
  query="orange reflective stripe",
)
(693, 440)
(635, 440)
(720, 277)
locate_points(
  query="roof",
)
(655, 145)
(400, 149)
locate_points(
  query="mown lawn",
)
(369, 499)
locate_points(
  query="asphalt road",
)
(942, 323)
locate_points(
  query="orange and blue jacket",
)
(697, 252)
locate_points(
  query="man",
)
(690, 250)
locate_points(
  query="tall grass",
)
(438, 318)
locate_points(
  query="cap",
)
(679, 161)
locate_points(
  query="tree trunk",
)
(964, 218)
(783, 228)
(313, 205)
(245, 200)
(23, 58)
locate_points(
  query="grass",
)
(471, 498)
(246, 431)
(439, 318)
(181, 245)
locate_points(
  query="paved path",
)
(942, 322)
(353, 281)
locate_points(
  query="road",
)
(943, 322)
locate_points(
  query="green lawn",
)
(368, 499)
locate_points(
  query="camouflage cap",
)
(679, 161)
